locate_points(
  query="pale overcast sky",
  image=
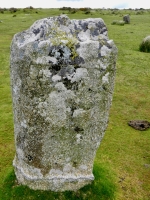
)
(75, 3)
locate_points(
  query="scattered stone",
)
(139, 124)
(145, 45)
(126, 19)
(147, 165)
(62, 75)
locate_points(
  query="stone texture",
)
(62, 74)
(141, 125)
(126, 19)
(145, 45)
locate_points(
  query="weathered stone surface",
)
(145, 45)
(62, 74)
(126, 19)
(141, 125)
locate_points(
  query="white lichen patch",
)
(56, 78)
(105, 51)
(16, 89)
(88, 50)
(81, 73)
(78, 138)
(79, 112)
(24, 124)
(111, 43)
(54, 108)
(83, 167)
(83, 36)
(44, 60)
(103, 64)
(67, 168)
(55, 172)
(105, 79)
(60, 87)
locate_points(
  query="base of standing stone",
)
(57, 183)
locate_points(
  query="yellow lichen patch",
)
(61, 38)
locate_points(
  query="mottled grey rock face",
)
(126, 19)
(62, 74)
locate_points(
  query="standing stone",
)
(62, 74)
(126, 19)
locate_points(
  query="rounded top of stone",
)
(62, 28)
(147, 38)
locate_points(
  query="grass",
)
(122, 162)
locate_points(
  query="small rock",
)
(147, 165)
(126, 19)
(141, 125)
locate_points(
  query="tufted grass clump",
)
(145, 45)
(118, 22)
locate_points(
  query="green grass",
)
(120, 164)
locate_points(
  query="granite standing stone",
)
(62, 74)
(126, 19)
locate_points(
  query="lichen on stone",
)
(62, 74)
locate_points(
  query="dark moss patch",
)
(78, 129)
(36, 31)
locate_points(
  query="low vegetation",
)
(122, 163)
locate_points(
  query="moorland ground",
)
(122, 163)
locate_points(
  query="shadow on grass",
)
(102, 188)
